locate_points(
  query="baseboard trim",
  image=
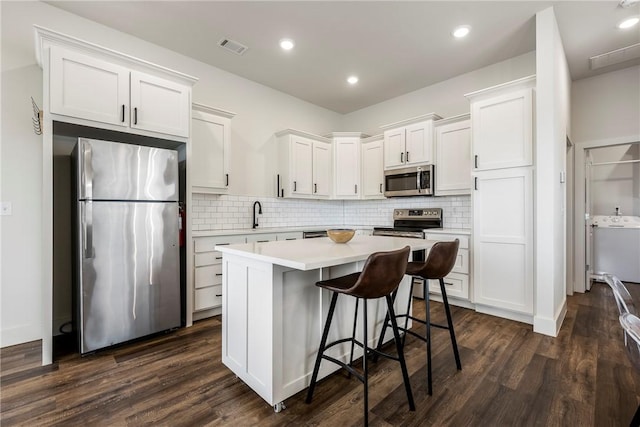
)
(20, 335)
(549, 326)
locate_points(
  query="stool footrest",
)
(346, 366)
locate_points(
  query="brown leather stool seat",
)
(380, 277)
(439, 263)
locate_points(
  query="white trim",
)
(418, 119)
(303, 134)
(45, 37)
(548, 326)
(505, 314)
(579, 220)
(523, 83)
(213, 110)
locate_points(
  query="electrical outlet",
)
(5, 208)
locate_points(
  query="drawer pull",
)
(218, 257)
(218, 295)
(218, 274)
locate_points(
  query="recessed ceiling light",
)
(461, 31)
(352, 80)
(287, 44)
(628, 23)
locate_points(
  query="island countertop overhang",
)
(311, 254)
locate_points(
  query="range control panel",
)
(426, 213)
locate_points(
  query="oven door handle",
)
(419, 180)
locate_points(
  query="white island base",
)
(273, 314)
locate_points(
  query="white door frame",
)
(579, 193)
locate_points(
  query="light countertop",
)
(269, 230)
(310, 254)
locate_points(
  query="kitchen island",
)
(273, 314)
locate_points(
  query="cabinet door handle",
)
(278, 185)
(218, 274)
(380, 188)
(227, 177)
(295, 185)
(407, 156)
(218, 257)
(475, 161)
(356, 189)
(475, 182)
(401, 157)
(315, 188)
(122, 113)
(218, 295)
(135, 116)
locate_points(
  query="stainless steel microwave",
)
(412, 181)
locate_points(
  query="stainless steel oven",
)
(412, 223)
(413, 181)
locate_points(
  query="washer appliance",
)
(616, 246)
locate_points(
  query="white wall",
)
(616, 185)
(606, 106)
(20, 184)
(552, 126)
(445, 98)
(261, 112)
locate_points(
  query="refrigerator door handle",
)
(87, 229)
(87, 171)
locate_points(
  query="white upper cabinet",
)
(502, 125)
(210, 149)
(91, 88)
(88, 88)
(304, 165)
(346, 153)
(158, 105)
(409, 142)
(453, 156)
(321, 169)
(372, 168)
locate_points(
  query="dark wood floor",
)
(510, 376)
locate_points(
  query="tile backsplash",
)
(225, 212)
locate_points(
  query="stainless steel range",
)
(412, 223)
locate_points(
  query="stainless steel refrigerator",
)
(126, 239)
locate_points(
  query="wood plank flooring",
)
(510, 376)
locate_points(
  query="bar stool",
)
(439, 263)
(380, 277)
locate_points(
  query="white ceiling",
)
(394, 47)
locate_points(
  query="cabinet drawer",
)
(206, 244)
(208, 297)
(208, 275)
(462, 262)
(457, 285)
(438, 237)
(207, 258)
(261, 238)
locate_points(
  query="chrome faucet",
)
(255, 218)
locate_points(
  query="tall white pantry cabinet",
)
(502, 126)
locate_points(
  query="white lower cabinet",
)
(207, 286)
(503, 240)
(208, 271)
(457, 283)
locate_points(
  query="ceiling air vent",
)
(615, 56)
(233, 46)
